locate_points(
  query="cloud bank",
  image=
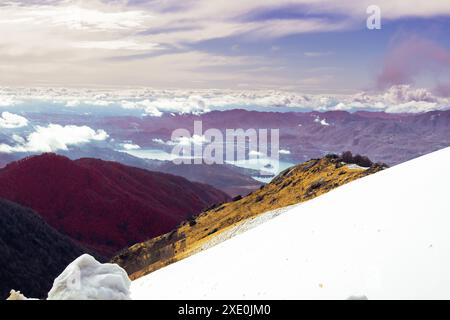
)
(11, 121)
(155, 102)
(54, 137)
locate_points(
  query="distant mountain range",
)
(231, 179)
(228, 178)
(391, 138)
(384, 137)
(103, 205)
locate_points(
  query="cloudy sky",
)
(309, 46)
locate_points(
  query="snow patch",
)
(243, 226)
(356, 167)
(87, 279)
(322, 122)
(368, 238)
(130, 146)
(17, 295)
(284, 151)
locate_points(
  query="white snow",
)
(385, 236)
(87, 279)
(17, 295)
(243, 227)
(323, 122)
(356, 167)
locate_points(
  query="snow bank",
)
(385, 236)
(88, 279)
(356, 167)
(17, 295)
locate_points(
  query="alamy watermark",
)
(216, 147)
(374, 20)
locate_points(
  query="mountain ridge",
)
(384, 236)
(297, 184)
(103, 205)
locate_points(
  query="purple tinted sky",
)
(308, 46)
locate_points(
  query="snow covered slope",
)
(383, 236)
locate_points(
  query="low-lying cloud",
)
(54, 137)
(156, 103)
(183, 141)
(12, 121)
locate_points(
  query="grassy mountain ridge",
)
(297, 184)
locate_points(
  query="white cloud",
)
(130, 146)
(151, 109)
(393, 9)
(76, 15)
(186, 141)
(183, 141)
(54, 137)
(132, 45)
(7, 101)
(405, 93)
(159, 141)
(156, 102)
(254, 153)
(146, 105)
(97, 102)
(73, 103)
(322, 122)
(413, 107)
(18, 139)
(156, 107)
(284, 151)
(11, 121)
(74, 41)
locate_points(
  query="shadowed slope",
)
(32, 253)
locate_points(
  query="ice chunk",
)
(87, 279)
(16, 295)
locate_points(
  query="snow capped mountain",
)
(384, 236)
